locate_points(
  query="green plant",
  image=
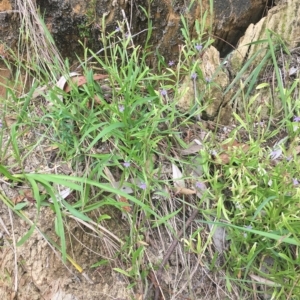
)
(123, 138)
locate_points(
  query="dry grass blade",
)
(263, 280)
(4, 227)
(15, 250)
(40, 45)
(177, 177)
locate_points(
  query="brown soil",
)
(36, 271)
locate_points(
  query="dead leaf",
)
(185, 191)
(263, 280)
(97, 99)
(124, 200)
(24, 195)
(63, 194)
(236, 145)
(192, 148)
(10, 120)
(18, 199)
(63, 80)
(81, 80)
(229, 150)
(116, 186)
(177, 177)
(225, 158)
(50, 148)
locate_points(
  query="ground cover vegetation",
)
(225, 200)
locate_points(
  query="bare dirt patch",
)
(36, 271)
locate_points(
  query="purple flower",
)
(143, 186)
(198, 47)
(200, 185)
(1, 124)
(171, 63)
(275, 153)
(289, 158)
(295, 181)
(117, 29)
(126, 164)
(208, 80)
(194, 76)
(296, 119)
(163, 92)
(121, 108)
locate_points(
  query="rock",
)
(209, 89)
(281, 19)
(73, 20)
(232, 17)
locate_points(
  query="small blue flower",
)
(118, 29)
(163, 92)
(275, 153)
(121, 108)
(295, 182)
(194, 76)
(171, 63)
(289, 158)
(208, 80)
(198, 47)
(143, 186)
(126, 164)
(200, 185)
(296, 119)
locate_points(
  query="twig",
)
(128, 27)
(171, 249)
(15, 250)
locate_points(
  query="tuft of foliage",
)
(123, 136)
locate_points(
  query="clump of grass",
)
(121, 147)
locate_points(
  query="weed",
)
(122, 137)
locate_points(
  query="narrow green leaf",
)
(164, 219)
(122, 272)
(26, 236)
(269, 235)
(19, 206)
(7, 174)
(75, 212)
(107, 131)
